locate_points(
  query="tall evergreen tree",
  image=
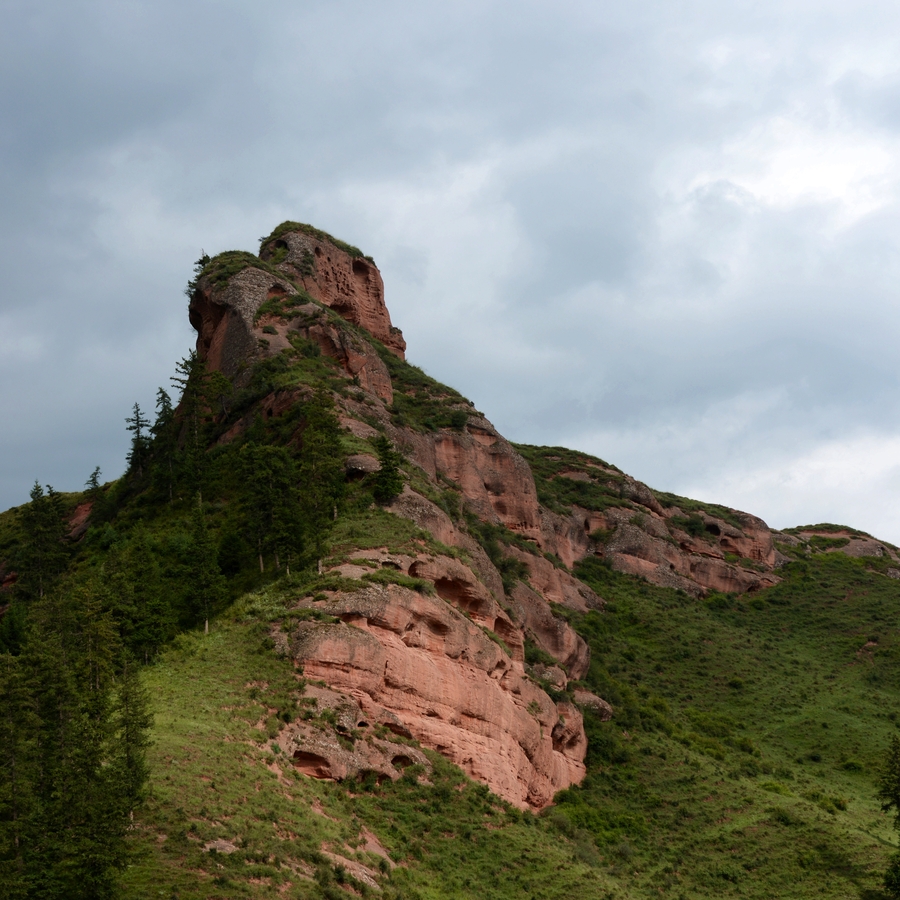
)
(206, 586)
(43, 554)
(133, 590)
(132, 722)
(137, 425)
(321, 471)
(18, 770)
(165, 444)
(272, 505)
(388, 480)
(64, 806)
(190, 378)
(94, 492)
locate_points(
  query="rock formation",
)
(446, 663)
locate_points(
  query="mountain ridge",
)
(487, 612)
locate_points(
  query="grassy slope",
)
(742, 760)
(216, 777)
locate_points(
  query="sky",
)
(664, 233)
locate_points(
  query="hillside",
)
(439, 664)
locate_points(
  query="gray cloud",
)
(665, 234)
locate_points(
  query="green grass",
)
(316, 233)
(421, 402)
(224, 266)
(696, 506)
(215, 777)
(748, 731)
(605, 490)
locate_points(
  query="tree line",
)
(167, 546)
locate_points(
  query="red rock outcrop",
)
(418, 658)
(320, 753)
(494, 479)
(79, 520)
(348, 283)
(551, 634)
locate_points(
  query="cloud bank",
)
(668, 235)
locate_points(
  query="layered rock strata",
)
(404, 655)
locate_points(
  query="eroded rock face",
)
(494, 479)
(551, 634)
(350, 285)
(224, 318)
(450, 685)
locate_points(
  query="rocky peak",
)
(337, 275)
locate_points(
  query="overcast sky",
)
(667, 234)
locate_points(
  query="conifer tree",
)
(165, 443)
(94, 492)
(321, 472)
(72, 839)
(43, 554)
(132, 721)
(18, 726)
(132, 589)
(889, 795)
(388, 480)
(92, 485)
(271, 504)
(137, 424)
(206, 586)
(190, 377)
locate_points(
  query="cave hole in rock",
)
(360, 268)
(438, 627)
(312, 764)
(269, 413)
(401, 761)
(362, 724)
(712, 528)
(206, 323)
(318, 251)
(390, 564)
(277, 291)
(456, 593)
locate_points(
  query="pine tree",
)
(321, 472)
(889, 795)
(190, 377)
(137, 424)
(18, 726)
(92, 485)
(94, 491)
(206, 586)
(132, 721)
(72, 839)
(272, 504)
(165, 443)
(388, 480)
(132, 590)
(43, 554)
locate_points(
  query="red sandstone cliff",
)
(447, 665)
